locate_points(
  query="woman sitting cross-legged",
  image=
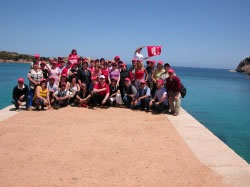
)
(115, 95)
(42, 95)
(83, 97)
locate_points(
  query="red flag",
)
(154, 50)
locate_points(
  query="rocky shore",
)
(244, 66)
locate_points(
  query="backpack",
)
(183, 91)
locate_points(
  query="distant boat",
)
(232, 70)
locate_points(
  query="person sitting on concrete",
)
(115, 94)
(42, 95)
(84, 96)
(129, 93)
(173, 85)
(101, 93)
(20, 93)
(142, 97)
(61, 97)
(160, 101)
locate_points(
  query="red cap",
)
(134, 60)
(63, 75)
(152, 61)
(37, 56)
(52, 77)
(160, 62)
(117, 58)
(43, 80)
(114, 63)
(54, 62)
(160, 81)
(124, 65)
(21, 80)
(43, 62)
(127, 79)
(171, 71)
(142, 81)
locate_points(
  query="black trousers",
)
(97, 99)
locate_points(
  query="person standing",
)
(20, 93)
(173, 85)
(35, 75)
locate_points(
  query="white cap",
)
(102, 77)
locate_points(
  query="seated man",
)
(160, 101)
(142, 97)
(129, 93)
(61, 97)
(83, 96)
(20, 93)
(101, 93)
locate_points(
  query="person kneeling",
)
(42, 95)
(20, 93)
(101, 93)
(115, 94)
(83, 97)
(160, 102)
(61, 97)
(142, 97)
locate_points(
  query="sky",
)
(193, 33)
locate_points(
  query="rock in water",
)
(244, 65)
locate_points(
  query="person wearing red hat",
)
(73, 57)
(150, 70)
(41, 97)
(129, 93)
(173, 85)
(35, 75)
(114, 74)
(159, 103)
(61, 97)
(20, 93)
(157, 73)
(36, 59)
(123, 75)
(101, 93)
(117, 58)
(142, 97)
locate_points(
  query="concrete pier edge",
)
(210, 150)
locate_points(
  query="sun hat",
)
(171, 71)
(102, 77)
(20, 79)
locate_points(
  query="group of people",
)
(83, 82)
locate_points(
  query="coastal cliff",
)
(244, 66)
(13, 57)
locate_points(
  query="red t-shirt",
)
(65, 71)
(105, 72)
(99, 86)
(73, 58)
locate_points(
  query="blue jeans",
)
(127, 101)
(144, 103)
(30, 97)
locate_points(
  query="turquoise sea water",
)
(217, 98)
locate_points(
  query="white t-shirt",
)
(52, 88)
(36, 76)
(139, 56)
